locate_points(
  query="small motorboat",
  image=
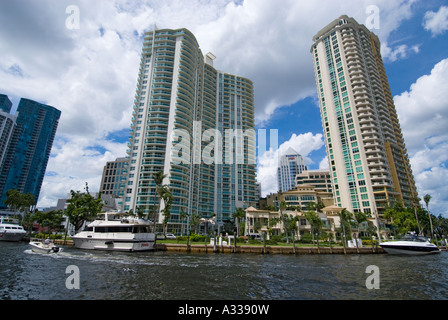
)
(410, 244)
(44, 247)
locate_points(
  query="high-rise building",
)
(182, 111)
(8, 138)
(5, 103)
(367, 156)
(290, 165)
(29, 148)
(113, 181)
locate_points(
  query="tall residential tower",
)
(367, 156)
(29, 149)
(183, 107)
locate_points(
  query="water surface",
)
(182, 276)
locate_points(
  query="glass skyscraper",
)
(29, 148)
(367, 155)
(290, 165)
(183, 109)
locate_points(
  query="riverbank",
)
(202, 248)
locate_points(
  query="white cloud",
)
(269, 42)
(323, 164)
(90, 73)
(423, 115)
(304, 144)
(399, 52)
(423, 110)
(436, 22)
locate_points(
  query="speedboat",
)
(116, 232)
(10, 230)
(42, 247)
(410, 244)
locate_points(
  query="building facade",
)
(30, 147)
(320, 179)
(300, 198)
(8, 139)
(290, 165)
(367, 156)
(182, 111)
(113, 180)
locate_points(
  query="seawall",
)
(264, 250)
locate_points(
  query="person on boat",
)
(47, 241)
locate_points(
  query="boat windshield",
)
(411, 237)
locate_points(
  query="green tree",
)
(345, 219)
(402, 218)
(158, 178)
(315, 222)
(18, 201)
(282, 216)
(292, 226)
(51, 220)
(360, 217)
(441, 227)
(415, 204)
(195, 221)
(183, 215)
(167, 197)
(427, 198)
(238, 216)
(82, 206)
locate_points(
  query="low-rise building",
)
(300, 198)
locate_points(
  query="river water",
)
(26, 275)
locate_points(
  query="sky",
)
(83, 56)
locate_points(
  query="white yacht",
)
(117, 232)
(410, 244)
(10, 230)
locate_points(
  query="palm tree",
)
(360, 217)
(285, 226)
(415, 201)
(158, 178)
(316, 224)
(167, 196)
(427, 198)
(237, 215)
(345, 217)
(183, 215)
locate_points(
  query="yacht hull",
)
(409, 249)
(113, 245)
(12, 236)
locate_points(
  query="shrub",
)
(306, 238)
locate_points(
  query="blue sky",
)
(90, 74)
